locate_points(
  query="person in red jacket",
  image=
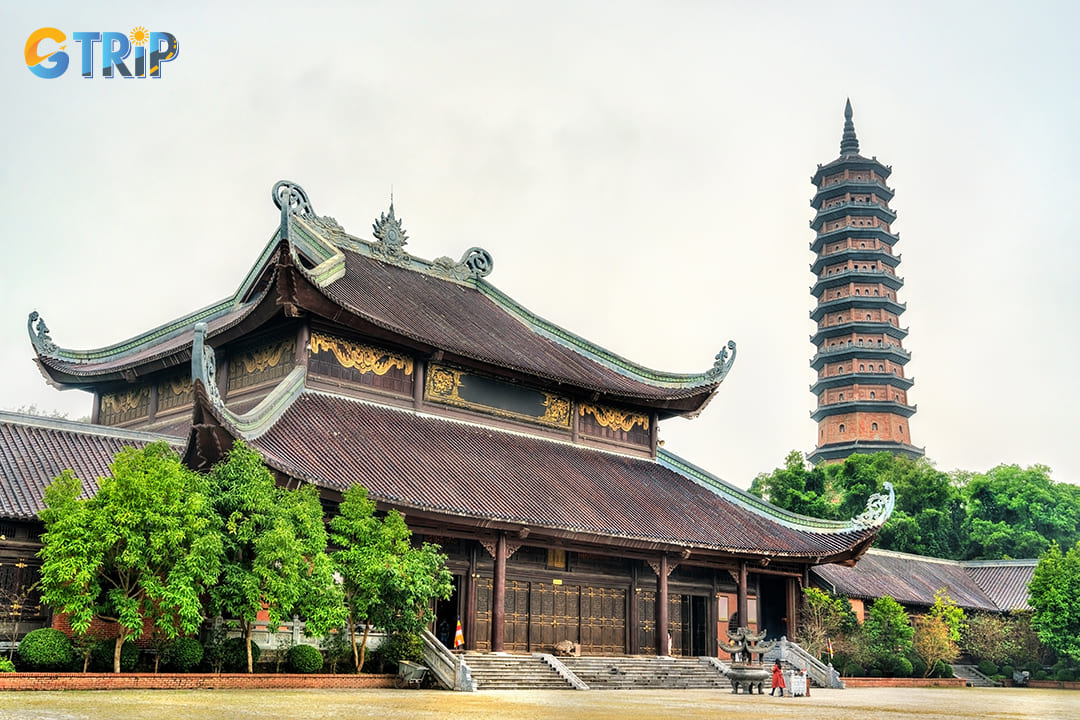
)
(777, 679)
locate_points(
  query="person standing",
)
(777, 679)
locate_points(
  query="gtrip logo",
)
(46, 56)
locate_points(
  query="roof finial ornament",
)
(204, 364)
(389, 235)
(878, 509)
(39, 334)
(849, 144)
(291, 199)
(723, 363)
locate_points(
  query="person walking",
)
(777, 679)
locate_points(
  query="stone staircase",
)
(973, 676)
(497, 671)
(644, 672)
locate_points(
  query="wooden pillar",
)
(303, 339)
(742, 594)
(498, 595)
(633, 620)
(418, 385)
(792, 610)
(470, 602)
(662, 645)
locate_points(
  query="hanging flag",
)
(828, 646)
(459, 637)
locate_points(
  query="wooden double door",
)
(541, 614)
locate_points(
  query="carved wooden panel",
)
(677, 612)
(263, 362)
(603, 621)
(175, 392)
(483, 614)
(124, 406)
(608, 423)
(360, 364)
(20, 598)
(461, 388)
(516, 629)
(646, 611)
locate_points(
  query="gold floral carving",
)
(364, 358)
(176, 386)
(558, 410)
(120, 403)
(444, 382)
(614, 418)
(264, 357)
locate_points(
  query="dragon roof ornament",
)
(291, 199)
(204, 364)
(879, 507)
(39, 334)
(722, 366)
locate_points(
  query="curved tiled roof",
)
(913, 579)
(34, 450)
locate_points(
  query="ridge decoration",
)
(204, 364)
(613, 418)
(291, 199)
(39, 334)
(475, 263)
(557, 410)
(878, 509)
(723, 363)
(390, 238)
(364, 358)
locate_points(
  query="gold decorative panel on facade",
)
(256, 364)
(608, 423)
(121, 407)
(461, 388)
(360, 364)
(175, 392)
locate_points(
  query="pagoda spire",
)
(849, 144)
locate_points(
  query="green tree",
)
(990, 636)
(888, 632)
(932, 641)
(1054, 595)
(274, 549)
(823, 616)
(388, 583)
(797, 488)
(143, 549)
(951, 614)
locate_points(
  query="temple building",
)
(530, 454)
(861, 389)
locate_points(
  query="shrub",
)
(1007, 671)
(182, 654)
(46, 649)
(918, 667)
(988, 668)
(1041, 675)
(402, 646)
(854, 670)
(304, 659)
(233, 657)
(1065, 675)
(942, 669)
(6, 665)
(903, 667)
(103, 651)
(336, 648)
(875, 673)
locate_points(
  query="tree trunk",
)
(352, 642)
(363, 647)
(247, 648)
(116, 654)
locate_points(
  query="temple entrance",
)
(688, 620)
(773, 606)
(447, 613)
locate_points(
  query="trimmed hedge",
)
(182, 654)
(304, 659)
(46, 649)
(6, 666)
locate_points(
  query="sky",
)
(639, 172)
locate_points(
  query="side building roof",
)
(988, 585)
(35, 450)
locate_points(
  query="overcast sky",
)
(639, 171)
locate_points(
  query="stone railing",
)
(449, 669)
(789, 652)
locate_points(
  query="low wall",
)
(186, 681)
(1053, 684)
(857, 682)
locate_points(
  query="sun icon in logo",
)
(139, 35)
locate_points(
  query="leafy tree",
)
(274, 549)
(142, 550)
(932, 641)
(797, 488)
(887, 631)
(990, 636)
(387, 582)
(1054, 593)
(951, 614)
(823, 616)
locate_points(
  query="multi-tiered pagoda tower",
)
(861, 388)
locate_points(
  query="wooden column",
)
(742, 593)
(303, 339)
(633, 620)
(792, 610)
(469, 619)
(662, 646)
(498, 595)
(418, 385)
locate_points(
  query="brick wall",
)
(854, 682)
(186, 681)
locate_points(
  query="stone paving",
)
(852, 704)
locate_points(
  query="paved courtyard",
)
(854, 704)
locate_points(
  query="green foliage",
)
(102, 652)
(987, 668)
(182, 654)
(1065, 675)
(143, 548)
(990, 636)
(274, 548)
(951, 614)
(304, 659)
(887, 632)
(234, 658)
(854, 669)
(6, 666)
(942, 670)
(1054, 595)
(46, 649)
(403, 646)
(933, 641)
(387, 582)
(902, 667)
(335, 647)
(823, 616)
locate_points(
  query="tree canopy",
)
(143, 549)
(1006, 512)
(1055, 600)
